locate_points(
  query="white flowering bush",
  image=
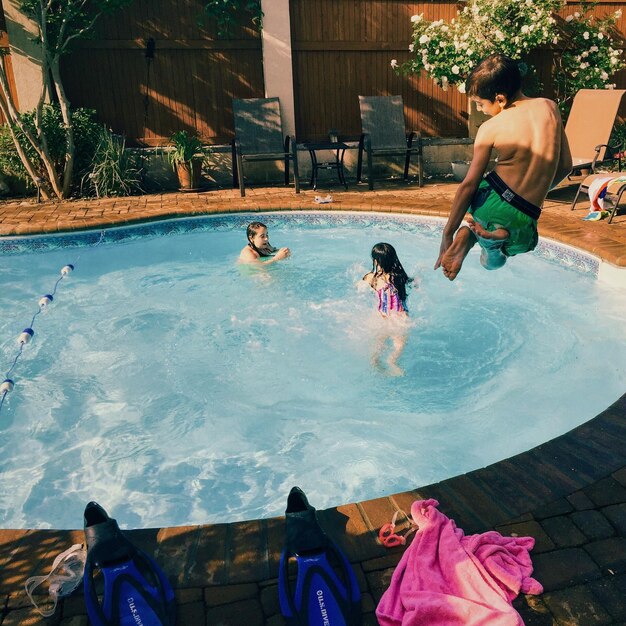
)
(449, 51)
(591, 56)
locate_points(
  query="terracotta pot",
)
(189, 174)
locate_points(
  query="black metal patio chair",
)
(259, 137)
(383, 128)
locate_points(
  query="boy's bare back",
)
(529, 139)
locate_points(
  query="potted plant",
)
(186, 158)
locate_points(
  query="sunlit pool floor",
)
(569, 494)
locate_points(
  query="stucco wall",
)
(24, 55)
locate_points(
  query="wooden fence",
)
(153, 70)
(340, 49)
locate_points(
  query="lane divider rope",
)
(28, 333)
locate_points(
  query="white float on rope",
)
(66, 269)
(26, 336)
(7, 385)
(45, 300)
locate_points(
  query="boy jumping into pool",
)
(533, 157)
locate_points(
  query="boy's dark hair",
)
(495, 74)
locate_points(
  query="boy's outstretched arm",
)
(466, 190)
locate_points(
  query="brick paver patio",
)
(570, 493)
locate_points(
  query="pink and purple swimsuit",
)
(389, 300)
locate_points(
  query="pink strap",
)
(387, 535)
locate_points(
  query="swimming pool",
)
(176, 387)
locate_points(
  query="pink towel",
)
(447, 579)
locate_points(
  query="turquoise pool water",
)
(176, 387)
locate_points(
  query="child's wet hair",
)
(253, 229)
(385, 259)
(495, 74)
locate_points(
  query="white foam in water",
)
(176, 387)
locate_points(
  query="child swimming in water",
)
(258, 248)
(389, 280)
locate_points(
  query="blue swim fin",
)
(136, 591)
(326, 591)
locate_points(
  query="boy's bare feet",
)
(453, 257)
(477, 229)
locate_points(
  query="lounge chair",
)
(259, 137)
(382, 123)
(589, 128)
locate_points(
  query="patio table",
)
(338, 148)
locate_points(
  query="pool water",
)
(176, 387)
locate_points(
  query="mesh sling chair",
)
(259, 137)
(382, 123)
(588, 131)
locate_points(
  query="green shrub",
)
(114, 171)
(87, 133)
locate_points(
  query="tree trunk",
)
(70, 150)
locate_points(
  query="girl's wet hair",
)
(495, 74)
(251, 231)
(384, 254)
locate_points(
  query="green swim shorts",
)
(493, 212)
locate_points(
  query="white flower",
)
(555, 40)
(411, 47)
(618, 14)
(593, 49)
(586, 35)
(600, 35)
(424, 39)
(576, 14)
(604, 75)
(455, 69)
(499, 35)
(394, 63)
(461, 87)
(569, 18)
(525, 29)
(416, 18)
(609, 86)
(469, 52)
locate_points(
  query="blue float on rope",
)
(66, 269)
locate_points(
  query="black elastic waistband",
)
(501, 188)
